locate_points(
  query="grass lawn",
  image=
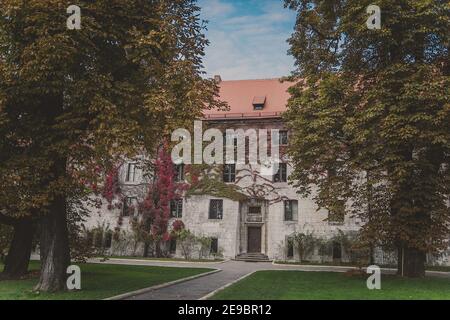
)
(99, 281)
(298, 285)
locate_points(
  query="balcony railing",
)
(254, 218)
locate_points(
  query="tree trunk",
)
(411, 263)
(158, 250)
(55, 254)
(18, 258)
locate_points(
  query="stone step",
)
(252, 257)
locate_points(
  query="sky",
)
(247, 38)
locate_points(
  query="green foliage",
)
(187, 241)
(98, 239)
(208, 180)
(304, 243)
(356, 250)
(370, 117)
(204, 244)
(73, 100)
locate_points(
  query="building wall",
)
(195, 218)
(231, 231)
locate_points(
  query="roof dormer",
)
(259, 102)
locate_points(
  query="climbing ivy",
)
(206, 180)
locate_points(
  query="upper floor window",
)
(254, 210)
(131, 172)
(215, 209)
(335, 219)
(176, 208)
(290, 210)
(283, 137)
(232, 140)
(229, 173)
(281, 175)
(129, 206)
(179, 172)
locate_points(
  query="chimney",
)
(217, 79)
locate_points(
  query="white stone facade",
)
(232, 230)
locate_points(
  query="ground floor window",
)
(290, 248)
(108, 239)
(173, 246)
(129, 206)
(337, 250)
(99, 239)
(214, 246)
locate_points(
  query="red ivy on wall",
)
(161, 192)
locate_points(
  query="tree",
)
(162, 190)
(305, 244)
(73, 100)
(18, 196)
(370, 117)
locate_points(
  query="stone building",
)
(261, 225)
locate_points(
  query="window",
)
(179, 172)
(129, 206)
(173, 246)
(176, 208)
(214, 246)
(283, 138)
(131, 172)
(259, 102)
(290, 248)
(215, 209)
(281, 175)
(337, 250)
(290, 210)
(90, 238)
(254, 210)
(229, 173)
(335, 219)
(108, 239)
(233, 138)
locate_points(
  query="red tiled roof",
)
(239, 94)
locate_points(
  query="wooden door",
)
(254, 239)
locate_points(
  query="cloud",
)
(215, 8)
(249, 40)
